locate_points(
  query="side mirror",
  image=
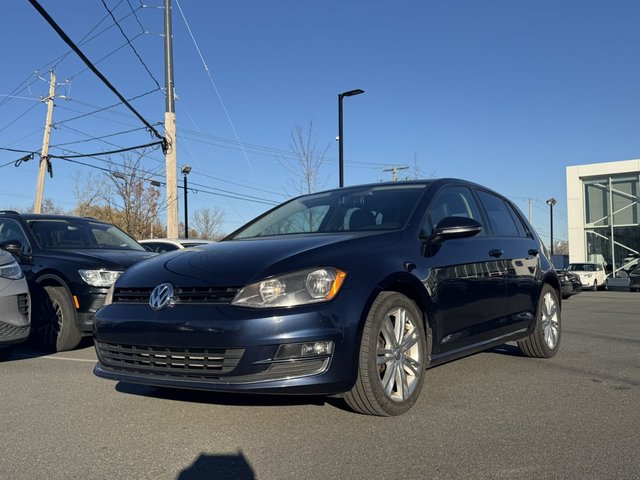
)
(14, 247)
(455, 227)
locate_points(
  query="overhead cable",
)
(102, 109)
(208, 72)
(130, 44)
(120, 150)
(87, 62)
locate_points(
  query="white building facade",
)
(603, 207)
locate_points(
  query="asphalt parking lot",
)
(495, 415)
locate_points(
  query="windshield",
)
(385, 207)
(69, 233)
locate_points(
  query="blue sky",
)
(503, 93)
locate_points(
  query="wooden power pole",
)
(170, 129)
(44, 155)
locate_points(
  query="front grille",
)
(23, 304)
(12, 331)
(201, 362)
(205, 295)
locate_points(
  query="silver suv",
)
(15, 305)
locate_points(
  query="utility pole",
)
(394, 171)
(530, 209)
(170, 128)
(44, 155)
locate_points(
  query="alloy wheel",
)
(399, 355)
(550, 320)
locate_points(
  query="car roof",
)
(47, 216)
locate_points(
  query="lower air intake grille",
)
(23, 304)
(201, 362)
(7, 330)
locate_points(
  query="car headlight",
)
(11, 271)
(298, 288)
(99, 278)
(588, 275)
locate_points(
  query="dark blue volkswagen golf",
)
(350, 292)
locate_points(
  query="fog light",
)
(304, 350)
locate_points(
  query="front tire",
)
(54, 323)
(544, 341)
(393, 358)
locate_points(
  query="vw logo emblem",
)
(161, 296)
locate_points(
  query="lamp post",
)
(350, 93)
(185, 171)
(551, 202)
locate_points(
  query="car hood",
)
(102, 258)
(240, 262)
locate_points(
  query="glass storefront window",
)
(612, 209)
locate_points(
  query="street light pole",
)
(186, 169)
(551, 202)
(350, 93)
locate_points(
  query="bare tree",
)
(308, 159)
(207, 222)
(126, 198)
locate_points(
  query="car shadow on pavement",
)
(31, 349)
(220, 467)
(507, 349)
(219, 398)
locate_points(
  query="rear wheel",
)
(54, 324)
(544, 341)
(393, 358)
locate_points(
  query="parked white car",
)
(592, 275)
(162, 245)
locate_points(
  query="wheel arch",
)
(409, 286)
(52, 279)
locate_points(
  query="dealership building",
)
(603, 210)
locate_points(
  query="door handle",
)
(495, 252)
(533, 252)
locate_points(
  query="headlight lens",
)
(99, 278)
(11, 271)
(298, 288)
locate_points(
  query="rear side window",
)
(501, 218)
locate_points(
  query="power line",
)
(135, 14)
(130, 44)
(18, 117)
(206, 68)
(87, 62)
(92, 138)
(102, 109)
(111, 152)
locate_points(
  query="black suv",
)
(70, 263)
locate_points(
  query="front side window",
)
(456, 201)
(500, 218)
(11, 231)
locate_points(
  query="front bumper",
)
(15, 321)
(89, 303)
(226, 348)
